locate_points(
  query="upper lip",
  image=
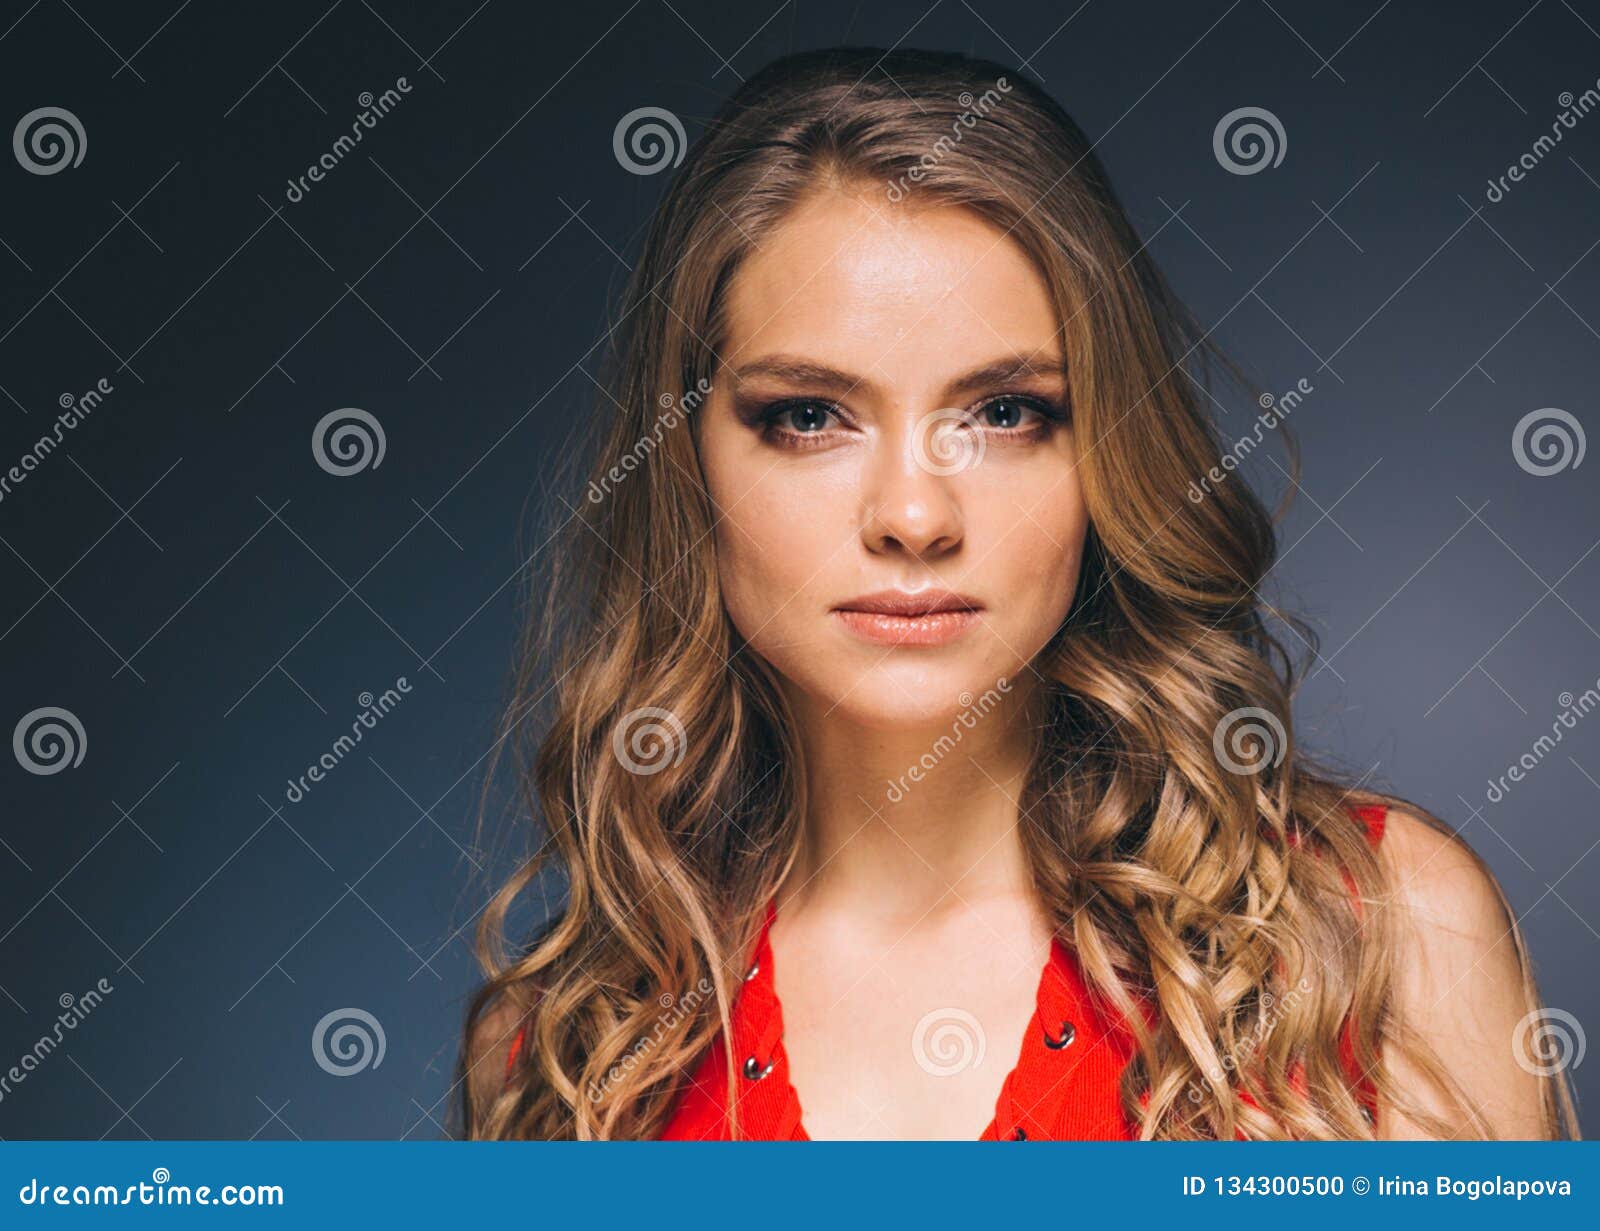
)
(908, 603)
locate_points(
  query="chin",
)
(883, 695)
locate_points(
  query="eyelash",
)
(767, 417)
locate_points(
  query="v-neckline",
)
(1056, 993)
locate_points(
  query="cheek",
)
(1039, 532)
(773, 542)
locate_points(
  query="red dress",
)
(1065, 1083)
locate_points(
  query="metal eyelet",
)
(1019, 1133)
(1068, 1033)
(1366, 1114)
(753, 1069)
(752, 972)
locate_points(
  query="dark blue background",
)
(185, 579)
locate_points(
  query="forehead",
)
(871, 286)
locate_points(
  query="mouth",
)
(896, 617)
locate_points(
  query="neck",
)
(905, 823)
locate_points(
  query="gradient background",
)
(183, 577)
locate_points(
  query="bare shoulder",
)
(1439, 881)
(1461, 981)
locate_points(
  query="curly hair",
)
(1193, 896)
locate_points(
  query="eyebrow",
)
(801, 371)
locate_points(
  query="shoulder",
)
(1439, 882)
(1461, 984)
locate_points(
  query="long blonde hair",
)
(1182, 886)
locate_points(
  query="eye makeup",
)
(778, 419)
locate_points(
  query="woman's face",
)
(890, 419)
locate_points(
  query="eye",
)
(1011, 411)
(803, 417)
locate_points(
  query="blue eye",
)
(1009, 411)
(804, 418)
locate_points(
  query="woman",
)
(912, 699)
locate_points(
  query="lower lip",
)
(935, 628)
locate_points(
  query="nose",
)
(909, 499)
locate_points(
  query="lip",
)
(899, 617)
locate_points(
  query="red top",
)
(1064, 1085)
